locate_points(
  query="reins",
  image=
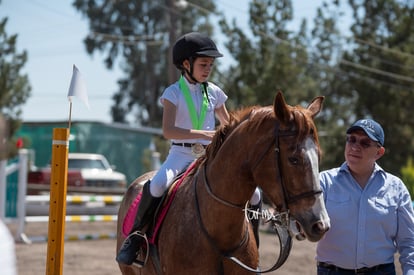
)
(210, 192)
(284, 237)
(207, 235)
(280, 223)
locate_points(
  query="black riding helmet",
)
(193, 45)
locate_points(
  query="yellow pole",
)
(57, 206)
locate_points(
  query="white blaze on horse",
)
(274, 147)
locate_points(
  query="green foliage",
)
(268, 59)
(301, 66)
(338, 105)
(378, 66)
(140, 33)
(407, 176)
(366, 74)
(14, 89)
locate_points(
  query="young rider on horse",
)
(190, 106)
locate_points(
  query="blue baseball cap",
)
(372, 128)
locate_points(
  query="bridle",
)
(287, 198)
(282, 219)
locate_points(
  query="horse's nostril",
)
(319, 227)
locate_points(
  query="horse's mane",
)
(302, 122)
(236, 117)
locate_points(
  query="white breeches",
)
(177, 160)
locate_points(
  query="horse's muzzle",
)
(317, 230)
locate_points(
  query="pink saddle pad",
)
(129, 219)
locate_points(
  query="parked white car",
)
(96, 170)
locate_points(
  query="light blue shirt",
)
(368, 226)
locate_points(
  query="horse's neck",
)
(232, 182)
(223, 218)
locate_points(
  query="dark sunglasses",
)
(364, 143)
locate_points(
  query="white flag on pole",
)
(78, 87)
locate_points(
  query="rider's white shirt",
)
(183, 120)
(180, 157)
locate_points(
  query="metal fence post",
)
(21, 194)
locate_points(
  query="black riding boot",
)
(135, 240)
(256, 221)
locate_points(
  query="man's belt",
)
(361, 270)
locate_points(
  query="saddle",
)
(160, 213)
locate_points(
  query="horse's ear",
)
(316, 105)
(281, 108)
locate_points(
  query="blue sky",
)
(52, 33)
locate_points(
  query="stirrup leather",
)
(143, 251)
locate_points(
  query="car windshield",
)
(85, 163)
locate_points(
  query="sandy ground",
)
(96, 257)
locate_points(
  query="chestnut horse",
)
(274, 147)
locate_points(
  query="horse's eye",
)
(294, 160)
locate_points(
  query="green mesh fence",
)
(123, 146)
(11, 192)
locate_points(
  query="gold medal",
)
(197, 149)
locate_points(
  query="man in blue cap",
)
(370, 210)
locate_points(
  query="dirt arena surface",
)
(97, 257)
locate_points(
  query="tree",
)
(325, 51)
(269, 58)
(141, 33)
(14, 88)
(302, 66)
(407, 176)
(366, 75)
(379, 66)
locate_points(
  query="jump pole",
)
(57, 207)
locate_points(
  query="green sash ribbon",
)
(196, 120)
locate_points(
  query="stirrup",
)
(143, 251)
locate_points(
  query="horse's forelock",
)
(304, 124)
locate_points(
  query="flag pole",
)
(58, 182)
(77, 88)
(70, 115)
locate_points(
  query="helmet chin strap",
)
(190, 73)
(191, 76)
